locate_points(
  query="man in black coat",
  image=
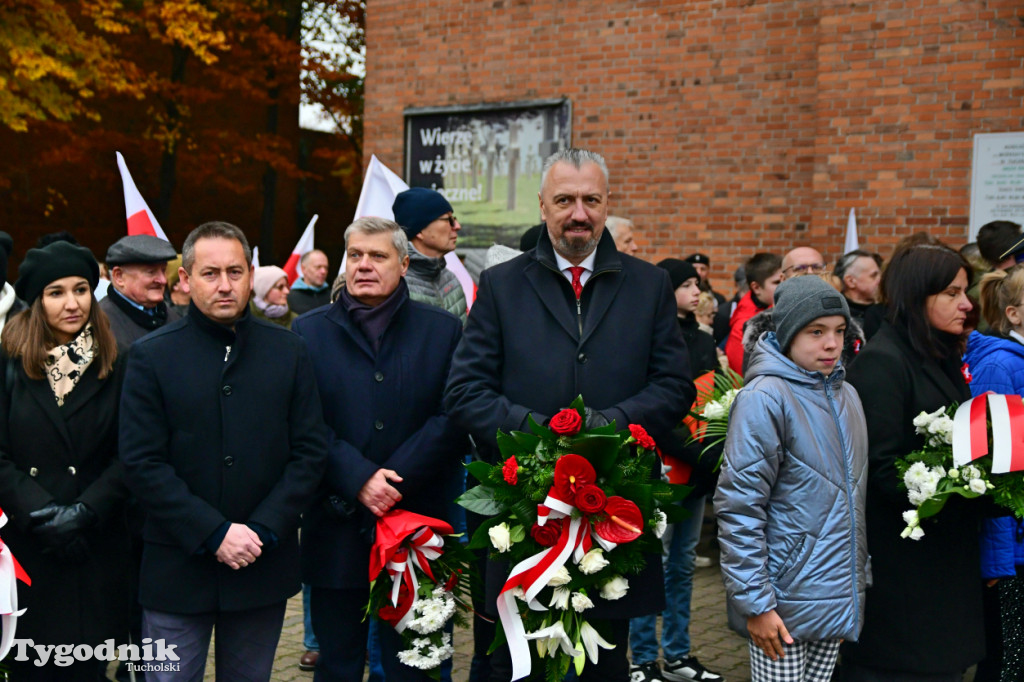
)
(223, 443)
(573, 317)
(381, 361)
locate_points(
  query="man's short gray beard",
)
(569, 250)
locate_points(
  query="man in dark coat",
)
(223, 443)
(311, 290)
(573, 317)
(134, 303)
(381, 361)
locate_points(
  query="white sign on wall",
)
(997, 179)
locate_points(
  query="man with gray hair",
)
(222, 440)
(621, 230)
(381, 361)
(311, 289)
(573, 316)
(135, 304)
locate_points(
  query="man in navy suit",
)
(381, 361)
(573, 316)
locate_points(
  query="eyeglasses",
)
(807, 269)
(451, 219)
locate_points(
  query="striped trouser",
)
(802, 662)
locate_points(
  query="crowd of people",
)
(165, 435)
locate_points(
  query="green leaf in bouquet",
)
(556, 668)
(508, 445)
(601, 451)
(481, 539)
(478, 470)
(517, 534)
(527, 441)
(675, 513)
(480, 499)
(931, 506)
(499, 638)
(525, 511)
(542, 431)
(577, 405)
(641, 494)
(606, 430)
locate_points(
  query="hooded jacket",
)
(790, 499)
(431, 282)
(764, 321)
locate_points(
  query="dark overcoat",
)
(527, 350)
(65, 455)
(924, 610)
(126, 331)
(384, 411)
(220, 425)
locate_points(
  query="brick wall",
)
(730, 126)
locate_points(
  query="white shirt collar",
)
(587, 265)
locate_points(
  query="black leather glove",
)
(593, 419)
(57, 525)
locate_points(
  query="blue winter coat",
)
(997, 365)
(790, 499)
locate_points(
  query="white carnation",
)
(581, 602)
(916, 497)
(915, 475)
(500, 537)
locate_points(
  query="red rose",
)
(389, 614)
(622, 523)
(546, 535)
(566, 423)
(590, 499)
(642, 437)
(510, 471)
(572, 472)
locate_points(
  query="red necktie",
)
(577, 285)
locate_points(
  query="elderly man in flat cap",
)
(135, 304)
(10, 304)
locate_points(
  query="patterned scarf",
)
(66, 364)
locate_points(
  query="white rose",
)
(500, 537)
(953, 473)
(581, 602)
(560, 599)
(615, 588)
(713, 410)
(559, 577)
(978, 486)
(661, 524)
(971, 471)
(917, 533)
(593, 561)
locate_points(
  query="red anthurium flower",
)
(566, 423)
(641, 435)
(453, 580)
(622, 521)
(510, 471)
(590, 499)
(572, 472)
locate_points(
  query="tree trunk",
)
(169, 159)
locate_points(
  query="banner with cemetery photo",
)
(487, 161)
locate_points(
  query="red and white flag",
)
(380, 187)
(304, 246)
(970, 431)
(140, 219)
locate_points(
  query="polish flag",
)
(852, 243)
(380, 187)
(970, 431)
(140, 219)
(304, 246)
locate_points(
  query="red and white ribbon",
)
(1007, 433)
(970, 432)
(10, 573)
(425, 546)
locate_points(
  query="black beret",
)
(698, 258)
(53, 262)
(140, 248)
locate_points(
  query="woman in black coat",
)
(60, 480)
(923, 617)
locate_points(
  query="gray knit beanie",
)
(801, 300)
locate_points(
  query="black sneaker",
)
(688, 669)
(647, 672)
